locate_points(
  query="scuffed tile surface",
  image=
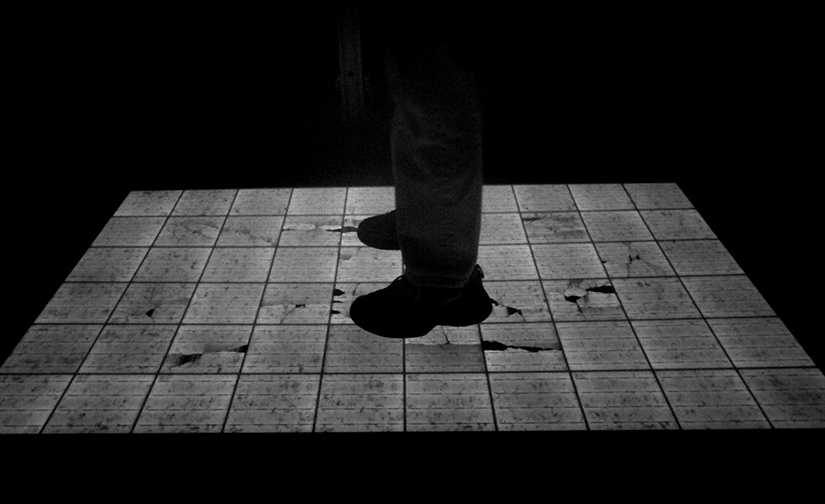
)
(129, 232)
(791, 398)
(205, 202)
(311, 231)
(700, 257)
(522, 347)
(711, 399)
(501, 228)
(365, 264)
(448, 402)
(498, 198)
(257, 231)
(361, 403)
(224, 304)
(26, 401)
(173, 265)
(51, 349)
(544, 198)
(655, 298)
(351, 349)
(616, 226)
(623, 400)
(107, 265)
(238, 265)
(187, 403)
(633, 259)
(517, 302)
(274, 403)
(148, 203)
(600, 197)
(190, 232)
(445, 350)
(536, 402)
(674, 344)
(153, 303)
(261, 202)
(555, 227)
(296, 303)
(133, 349)
(506, 262)
(572, 300)
(677, 225)
(657, 196)
(286, 349)
(84, 303)
(317, 201)
(759, 342)
(590, 346)
(100, 404)
(727, 296)
(568, 260)
(370, 200)
(304, 264)
(208, 349)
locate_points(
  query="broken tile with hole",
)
(572, 300)
(83, 303)
(153, 303)
(655, 298)
(224, 304)
(26, 401)
(187, 403)
(129, 232)
(700, 257)
(600, 345)
(257, 231)
(108, 264)
(173, 264)
(677, 225)
(445, 350)
(535, 402)
(286, 349)
(370, 200)
(544, 198)
(616, 226)
(190, 232)
(501, 228)
(727, 296)
(130, 349)
(317, 201)
(51, 349)
(144, 203)
(555, 227)
(208, 349)
(361, 403)
(506, 262)
(296, 303)
(261, 202)
(205, 202)
(274, 403)
(568, 260)
(366, 264)
(600, 197)
(522, 347)
(311, 231)
(498, 198)
(351, 349)
(633, 259)
(100, 404)
(759, 342)
(623, 400)
(711, 399)
(304, 264)
(657, 196)
(676, 344)
(238, 264)
(515, 301)
(791, 398)
(448, 402)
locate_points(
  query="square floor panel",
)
(238, 264)
(208, 349)
(205, 202)
(522, 347)
(536, 402)
(129, 349)
(296, 303)
(261, 202)
(498, 198)
(655, 298)
(791, 398)
(108, 264)
(82, 303)
(600, 345)
(255, 231)
(555, 227)
(145, 203)
(448, 402)
(304, 264)
(286, 349)
(361, 403)
(445, 350)
(501, 228)
(173, 264)
(633, 259)
(274, 403)
(677, 344)
(657, 196)
(190, 231)
(677, 225)
(544, 198)
(26, 401)
(351, 349)
(224, 304)
(366, 264)
(187, 403)
(51, 349)
(129, 232)
(727, 296)
(370, 200)
(759, 342)
(600, 197)
(616, 226)
(506, 262)
(700, 257)
(153, 303)
(568, 260)
(311, 231)
(572, 300)
(317, 201)
(517, 301)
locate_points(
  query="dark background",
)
(107, 102)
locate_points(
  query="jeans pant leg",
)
(437, 161)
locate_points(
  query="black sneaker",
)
(379, 232)
(404, 310)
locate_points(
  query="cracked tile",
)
(555, 227)
(100, 404)
(261, 202)
(153, 303)
(205, 202)
(620, 400)
(544, 198)
(572, 300)
(296, 303)
(445, 350)
(517, 302)
(131, 349)
(317, 201)
(190, 232)
(244, 264)
(536, 402)
(791, 398)
(506, 262)
(600, 197)
(143, 203)
(343, 296)
(187, 403)
(83, 303)
(674, 344)
(258, 231)
(677, 225)
(498, 198)
(349, 234)
(616, 226)
(51, 349)
(351, 349)
(208, 349)
(224, 304)
(304, 264)
(568, 260)
(700, 257)
(759, 342)
(311, 231)
(26, 401)
(655, 298)
(173, 265)
(656, 196)
(633, 259)
(501, 228)
(727, 296)
(370, 200)
(286, 349)
(592, 346)
(129, 232)
(107, 265)
(448, 402)
(522, 347)
(365, 264)
(274, 403)
(711, 399)
(361, 403)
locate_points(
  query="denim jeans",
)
(436, 155)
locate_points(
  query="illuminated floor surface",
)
(616, 307)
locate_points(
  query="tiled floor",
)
(616, 307)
